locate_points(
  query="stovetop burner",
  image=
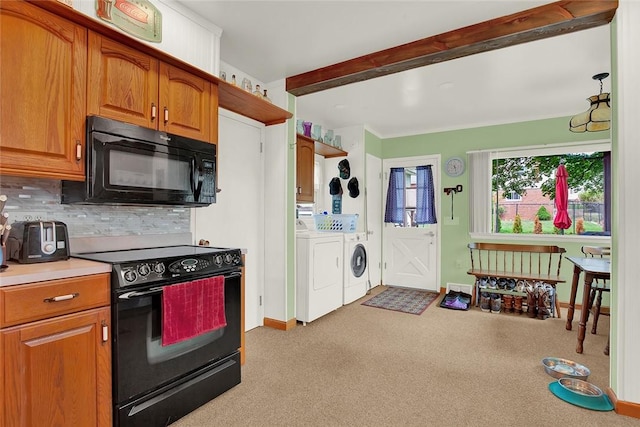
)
(127, 255)
(154, 265)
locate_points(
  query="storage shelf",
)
(240, 101)
(323, 149)
(503, 291)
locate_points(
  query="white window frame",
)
(480, 167)
(515, 197)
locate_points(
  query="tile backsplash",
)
(34, 199)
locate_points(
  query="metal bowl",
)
(563, 368)
(580, 387)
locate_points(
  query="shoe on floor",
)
(496, 302)
(485, 302)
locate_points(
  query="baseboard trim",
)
(280, 324)
(566, 305)
(629, 409)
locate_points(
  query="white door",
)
(374, 218)
(410, 253)
(236, 219)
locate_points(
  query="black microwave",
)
(132, 165)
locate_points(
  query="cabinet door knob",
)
(105, 332)
(154, 111)
(166, 115)
(78, 150)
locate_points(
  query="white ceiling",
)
(272, 40)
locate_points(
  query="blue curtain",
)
(394, 210)
(425, 203)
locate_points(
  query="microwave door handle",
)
(197, 177)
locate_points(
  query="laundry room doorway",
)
(411, 247)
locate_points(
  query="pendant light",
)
(598, 116)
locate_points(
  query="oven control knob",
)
(228, 258)
(144, 269)
(218, 260)
(130, 276)
(159, 268)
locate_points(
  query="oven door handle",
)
(154, 291)
(138, 294)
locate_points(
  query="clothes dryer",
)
(356, 264)
(319, 274)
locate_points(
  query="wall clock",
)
(454, 166)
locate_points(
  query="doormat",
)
(412, 301)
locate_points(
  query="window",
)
(410, 197)
(514, 191)
(512, 196)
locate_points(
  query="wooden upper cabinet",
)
(185, 102)
(123, 83)
(305, 161)
(128, 85)
(42, 93)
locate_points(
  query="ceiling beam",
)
(561, 17)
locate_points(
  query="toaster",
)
(38, 241)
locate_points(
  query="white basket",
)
(345, 223)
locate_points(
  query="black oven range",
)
(156, 384)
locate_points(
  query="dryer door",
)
(359, 260)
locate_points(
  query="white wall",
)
(625, 345)
(352, 143)
(276, 151)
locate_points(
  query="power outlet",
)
(29, 216)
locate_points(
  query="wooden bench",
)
(532, 263)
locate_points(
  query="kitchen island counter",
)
(18, 274)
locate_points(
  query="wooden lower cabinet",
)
(55, 353)
(57, 372)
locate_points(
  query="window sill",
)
(552, 238)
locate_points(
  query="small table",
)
(594, 268)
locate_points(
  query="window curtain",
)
(425, 198)
(480, 194)
(394, 209)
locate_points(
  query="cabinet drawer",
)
(35, 301)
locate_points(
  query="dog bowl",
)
(563, 368)
(581, 393)
(580, 387)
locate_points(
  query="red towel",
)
(192, 308)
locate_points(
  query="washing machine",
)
(319, 274)
(356, 264)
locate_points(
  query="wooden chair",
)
(598, 287)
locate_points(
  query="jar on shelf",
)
(246, 84)
(316, 132)
(257, 91)
(265, 97)
(307, 128)
(233, 80)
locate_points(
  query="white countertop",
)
(18, 274)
